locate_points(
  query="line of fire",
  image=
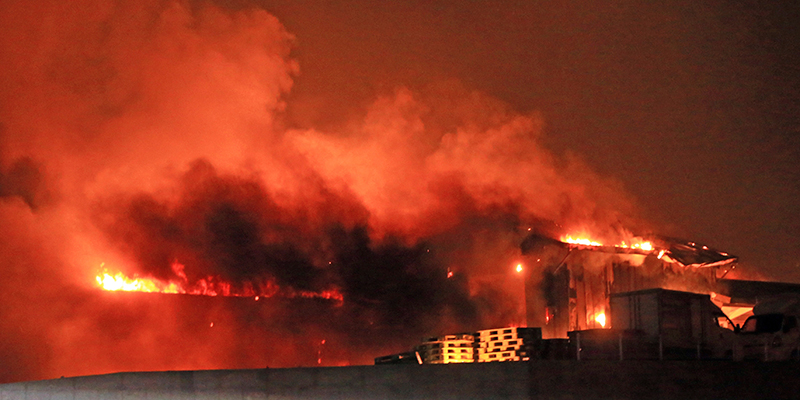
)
(659, 298)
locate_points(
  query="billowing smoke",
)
(137, 135)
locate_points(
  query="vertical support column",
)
(578, 346)
(698, 351)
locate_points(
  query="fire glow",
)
(205, 287)
(176, 138)
(580, 241)
(601, 319)
(584, 241)
(120, 282)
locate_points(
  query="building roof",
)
(683, 252)
(751, 291)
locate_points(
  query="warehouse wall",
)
(537, 380)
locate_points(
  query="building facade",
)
(569, 286)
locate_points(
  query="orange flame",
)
(580, 240)
(205, 287)
(636, 243)
(120, 282)
(646, 246)
(601, 319)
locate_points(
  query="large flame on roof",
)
(209, 286)
(120, 282)
(685, 253)
(580, 240)
(634, 243)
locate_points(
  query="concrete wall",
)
(640, 379)
(536, 380)
(489, 381)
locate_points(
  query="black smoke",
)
(232, 229)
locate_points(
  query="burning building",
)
(148, 146)
(575, 278)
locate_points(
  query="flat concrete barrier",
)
(509, 380)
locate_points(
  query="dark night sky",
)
(695, 108)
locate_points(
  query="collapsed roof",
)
(691, 254)
(682, 252)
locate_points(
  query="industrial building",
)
(663, 299)
(572, 284)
